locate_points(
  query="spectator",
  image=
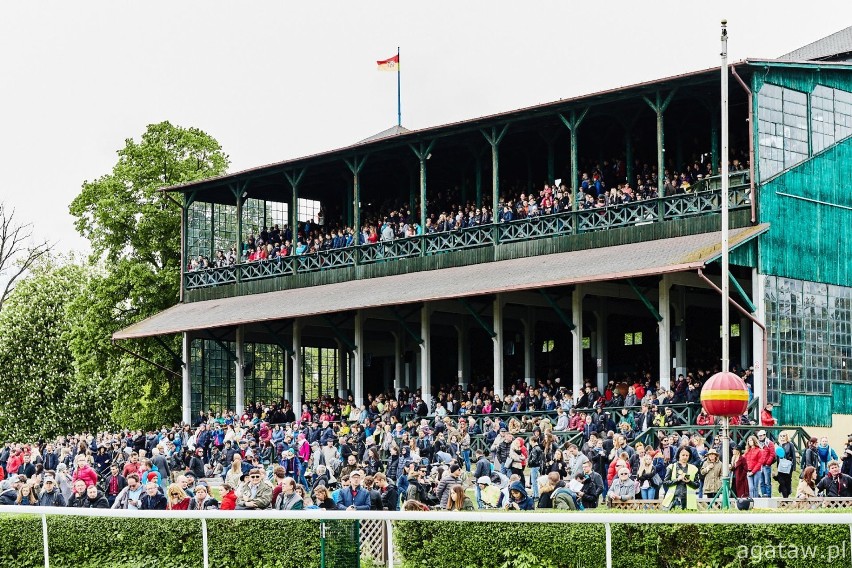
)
(835, 484)
(518, 498)
(592, 487)
(289, 500)
(256, 494)
(26, 496)
(83, 471)
(458, 501)
(178, 500)
(786, 453)
(229, 498)
(766, 418)
(450, 479)
(623, 488)
(50, 496)
(711, 473)
(152, 500)
(78, 497)
(681, 480)
(130, 497)
(826, 454)
(807, 484)
(95, 498)
(354, 497)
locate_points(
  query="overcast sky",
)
(276, 80)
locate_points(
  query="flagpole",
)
(398, 91)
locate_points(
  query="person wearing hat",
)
(10, 494)
(354, 497)
(711, 472)
(50, 496)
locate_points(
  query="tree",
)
(18, 252)
(134, 231)
(42, 397)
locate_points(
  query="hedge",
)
(99, 542)
(528, 545)
(90, 542)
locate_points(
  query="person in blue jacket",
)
(356, 497)
(518, 498)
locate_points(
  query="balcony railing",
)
(701, 201)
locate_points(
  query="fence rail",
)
(704, 199)
(387, 517)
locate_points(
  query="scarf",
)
(823, 453)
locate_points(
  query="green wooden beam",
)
(645, 300)
(572, 123)
(476, 315)
(558, 309)
(423, 151)
(288, 349)
(659, 106)
(402, 320)
(218, 341)
(294, 178)
(751, 307)
(494, 138)
(176, 359)
(335, 330)
(355, 165)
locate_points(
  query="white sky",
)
(276, 80)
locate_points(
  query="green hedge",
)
(90, 542)
(461, 545)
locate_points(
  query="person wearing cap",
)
(256, 494)
(10, 494)
(50, 496)
(451, 477)
(354, 497)
(711, 473)
(768, 455)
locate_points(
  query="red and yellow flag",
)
(391, 64)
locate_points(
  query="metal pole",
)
(44, 541)
(726, 327)
(726, 462)
(608, 545)
(398, 90)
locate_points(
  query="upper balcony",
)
(633, 164)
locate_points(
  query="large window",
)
(213, 375)
(810, 341)
(308, 210)
(782, 128)
(831, 116)
(258, 214)
(319, 372)
(198, 230)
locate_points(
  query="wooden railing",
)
(704, 199)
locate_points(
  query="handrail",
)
(703, 199)
(798, 436)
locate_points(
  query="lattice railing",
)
(280, 266)
(374, 541)
(211, 277)
(704, 199)
(334, 258)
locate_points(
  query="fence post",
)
(389, 531)
(608, 546)
(204, 543)
(322, 544)
(44, 541)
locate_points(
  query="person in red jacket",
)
(704, 419)
(84, 472)
(754, 462)
(768, 457)
(766, 418)
(229, 498)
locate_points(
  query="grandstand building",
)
(592, 292)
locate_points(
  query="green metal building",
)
(588, 294)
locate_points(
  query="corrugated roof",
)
(838, 43)
(593, 265)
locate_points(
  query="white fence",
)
(587, 517)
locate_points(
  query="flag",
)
(391, 64)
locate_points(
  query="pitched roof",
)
(529, 273)
(394, 130)
(834, 45)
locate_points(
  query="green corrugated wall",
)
(842, 395)
(809, 205)
(806, 410)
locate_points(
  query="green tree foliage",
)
(134, 231)
(37, 377)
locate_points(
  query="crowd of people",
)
(447, 211)
(401, 450)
